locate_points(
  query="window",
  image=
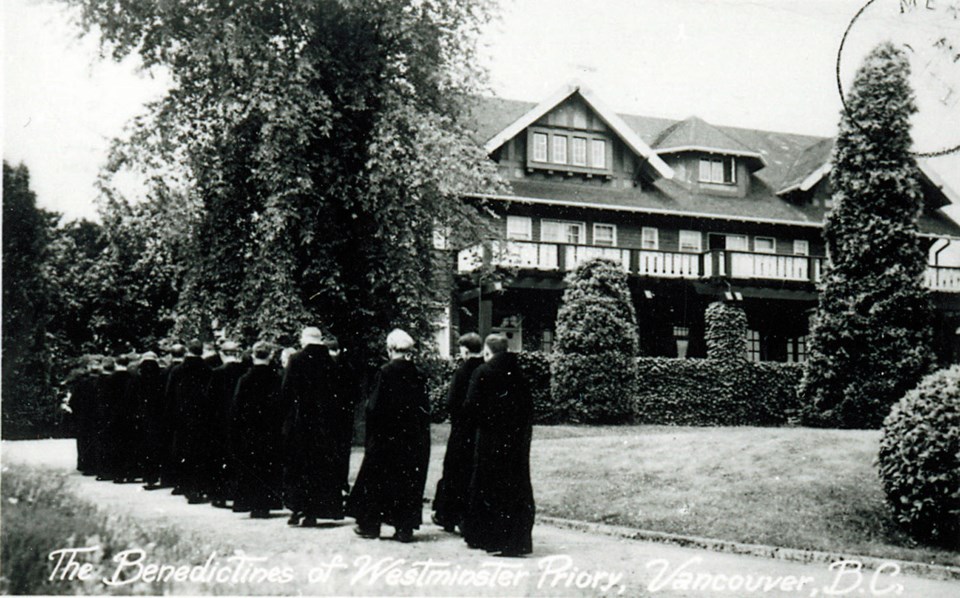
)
(753, 345)
(546, 343)
(559, 149)
(540, 147)
(598, 153)
(649, 238)
(764, 245)
(737, 242)
(605, 234)
(520, 228)
(681, 335)
(718, 170)
(579, 151)
(556, 231)
(690, 241)
(801, 247)
(797, 349)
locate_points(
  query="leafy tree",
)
(593, 371)
(317, 142)
(871, 335)
(28, 403)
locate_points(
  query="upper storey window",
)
(540, 147)
(718, 170)
(569, 150)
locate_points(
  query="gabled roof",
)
(695, 134)
(792, 162)
(814, 163)
(610, 118)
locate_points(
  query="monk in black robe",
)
(256, 418)
(451, 496)
(150, 383)
(123, 431)
(169, 466)
(389, 486)
(193, 424)
(315, 430)
(83, 399)
(500, 509)
(220, 394)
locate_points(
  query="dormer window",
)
(718, 170)
(598, 153)
(559, 149)
(569, 151)
(579, 151)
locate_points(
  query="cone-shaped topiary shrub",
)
(593, 371)
(919, 459)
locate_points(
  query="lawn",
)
(792, 487)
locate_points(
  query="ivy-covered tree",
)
(871, 335)
(593, 370)
(28, 401)
(318, 140)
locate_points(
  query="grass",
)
(792, 487)
(40, 514)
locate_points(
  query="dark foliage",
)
(871, 337)
(919, 459)
(593, 369)
(725, 331)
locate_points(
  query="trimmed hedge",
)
(593, 388)
(698, 392)
(919, 459)
(709, 392)
(725, 331)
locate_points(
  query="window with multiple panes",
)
(598, 153)
(718, 170)
(753, 345)
(691, 241)
(519, 228)
(649, 238)
(540, 147)
(605, 234)
(579, 157)
(797, 349)
(764, 245)
(559, 149)
(801, 247)
(558, 231)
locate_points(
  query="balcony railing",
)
(564, 257)
(943, 278)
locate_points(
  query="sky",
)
(767, 64)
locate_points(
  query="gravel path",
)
(439, 564)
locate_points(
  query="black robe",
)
(220, 394)
(453, 487)
(83, 402)
(120, 437)
(500, 510)
(169, 466)
(256, 418)
(317, 423)
(389, 486)
(193, 424)
(150, 386)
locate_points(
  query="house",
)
(692, 211)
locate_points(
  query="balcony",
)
(563, 257)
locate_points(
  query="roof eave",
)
(711, 150)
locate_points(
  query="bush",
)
(725, 331)
(709, 392)
(438, 373)
(919, 459)
(593, 371)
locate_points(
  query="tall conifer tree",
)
(871, 336)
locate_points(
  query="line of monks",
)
(245, 433)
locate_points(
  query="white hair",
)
(400, 341)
